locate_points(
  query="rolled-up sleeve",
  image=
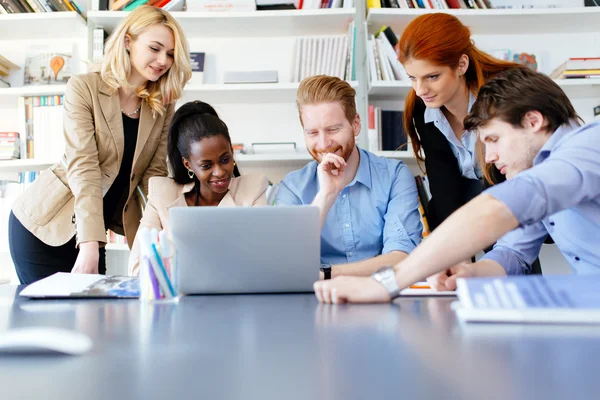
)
(285, 196)
(569, 176)
(517, 250)
(403, 229)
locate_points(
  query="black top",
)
(450, 190)
(115, 198)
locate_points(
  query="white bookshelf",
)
(242, 93)
(247, 24)
(35, 25)
(25, 165)
(499, 21)
(574, 88)
(34, 90)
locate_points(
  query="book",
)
(197, 61)
(68, 285)
(569, 299)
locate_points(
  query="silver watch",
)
(387, 277)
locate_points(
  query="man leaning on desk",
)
(368, 204)
(531, 132)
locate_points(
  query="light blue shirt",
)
(560, 195)
(378, 212)
(464, 150)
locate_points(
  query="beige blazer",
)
(165, 193)
(66, 199)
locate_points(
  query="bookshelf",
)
(265, 40)
(574, 88)
(249, 23)
(500, 21)
(249, 92)
(35, 25)
(34, 90)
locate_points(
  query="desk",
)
(290, 347)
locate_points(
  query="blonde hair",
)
(116, 65)
(326, 89)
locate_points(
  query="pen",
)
(420, 287)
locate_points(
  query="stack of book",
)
(583, 67)
(383, 58)
(115, 238)
(327, 55)
(431, 4)
(386, 130)
(5, 67)
(129, 5)
(38, 6)
(10, 145)
(44, 137)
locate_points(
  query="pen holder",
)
(155, 271)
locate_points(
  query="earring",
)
(234, 163)
(127, 50)
(191, 174)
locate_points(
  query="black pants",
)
(35, 259)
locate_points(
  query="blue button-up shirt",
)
(378, 212)
(560, 195)
(464, 149)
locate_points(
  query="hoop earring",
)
(191, 174)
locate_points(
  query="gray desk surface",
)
(290, 347)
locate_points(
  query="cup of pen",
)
(156, 273)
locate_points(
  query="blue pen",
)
(163, 270)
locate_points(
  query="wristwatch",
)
(387, 277)
(326, 270)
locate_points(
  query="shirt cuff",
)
(507, 260)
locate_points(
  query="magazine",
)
(70, 285)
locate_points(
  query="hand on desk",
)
(351, 289)
(87, 259)
(446, 280)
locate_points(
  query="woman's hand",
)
(87, 260)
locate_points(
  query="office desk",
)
(290, 347)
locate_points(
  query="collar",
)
(435, 114)
(554, 139)
(104, 88)
(363, 173)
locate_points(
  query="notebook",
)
(570, 299)
(69, 285)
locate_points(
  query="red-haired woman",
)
(446, 70)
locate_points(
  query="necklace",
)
(137, 110)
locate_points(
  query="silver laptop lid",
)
(246, 249)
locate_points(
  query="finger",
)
(317, 288)
(451, 281)
(326, 294)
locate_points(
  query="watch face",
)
(325, 266)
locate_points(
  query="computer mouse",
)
(44, 340)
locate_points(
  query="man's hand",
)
(330, 174)
(351, 289)
(87, 259)
(446, 280)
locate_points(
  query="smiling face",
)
(511, 149)
(436, 85)
(151, 53)
(327, 130)
(211, 159)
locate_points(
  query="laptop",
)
(267, 249)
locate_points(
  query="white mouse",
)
(44, 340)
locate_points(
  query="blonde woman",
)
(116, 123)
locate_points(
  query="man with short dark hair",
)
(531, 132)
